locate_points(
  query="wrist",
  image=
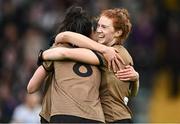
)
(40, 57)
(103, 49)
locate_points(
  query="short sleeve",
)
(102, 61)
(48, 66)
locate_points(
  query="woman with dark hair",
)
(73, 95)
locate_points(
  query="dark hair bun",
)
(74, 11)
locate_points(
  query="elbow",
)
(61, 37)
(57, 38)
(30, 89)
(132, 94)
(134, 91)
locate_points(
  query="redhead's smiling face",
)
(105, 31)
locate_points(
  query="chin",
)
(101, 41)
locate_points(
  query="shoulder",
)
(123, 52)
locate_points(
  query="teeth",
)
(100, 35)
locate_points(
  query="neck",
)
(113, 42)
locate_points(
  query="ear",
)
(118, 33)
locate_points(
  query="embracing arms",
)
(112, 58)
(87, 56)
(110, 54)
(79, 40)
(129, 74)
(76, 54)
(59, 53)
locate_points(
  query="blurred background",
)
(26, 26)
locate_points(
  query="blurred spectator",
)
(172, 56)
(33, 40)
(28, 111)
(7, 103)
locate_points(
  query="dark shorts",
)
(43, 120)
(129, 121)
(70, 119)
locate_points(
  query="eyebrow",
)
(104, 25)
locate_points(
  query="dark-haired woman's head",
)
(76, 20)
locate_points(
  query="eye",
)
(103, 26)
(98, 25)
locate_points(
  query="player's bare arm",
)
(76, 54)
(109, 53)
(36, 80)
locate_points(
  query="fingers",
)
(114, 67)
(124, 71)
(109, 65)
(124, 75)
(120, 59)
(118, 64)
(124, 79)
(115, 50)
(128, 66)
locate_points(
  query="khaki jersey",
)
(75, 90)
(114, 93)
(46, 102)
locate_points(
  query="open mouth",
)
(101, 36)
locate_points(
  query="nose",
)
(99, 29)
